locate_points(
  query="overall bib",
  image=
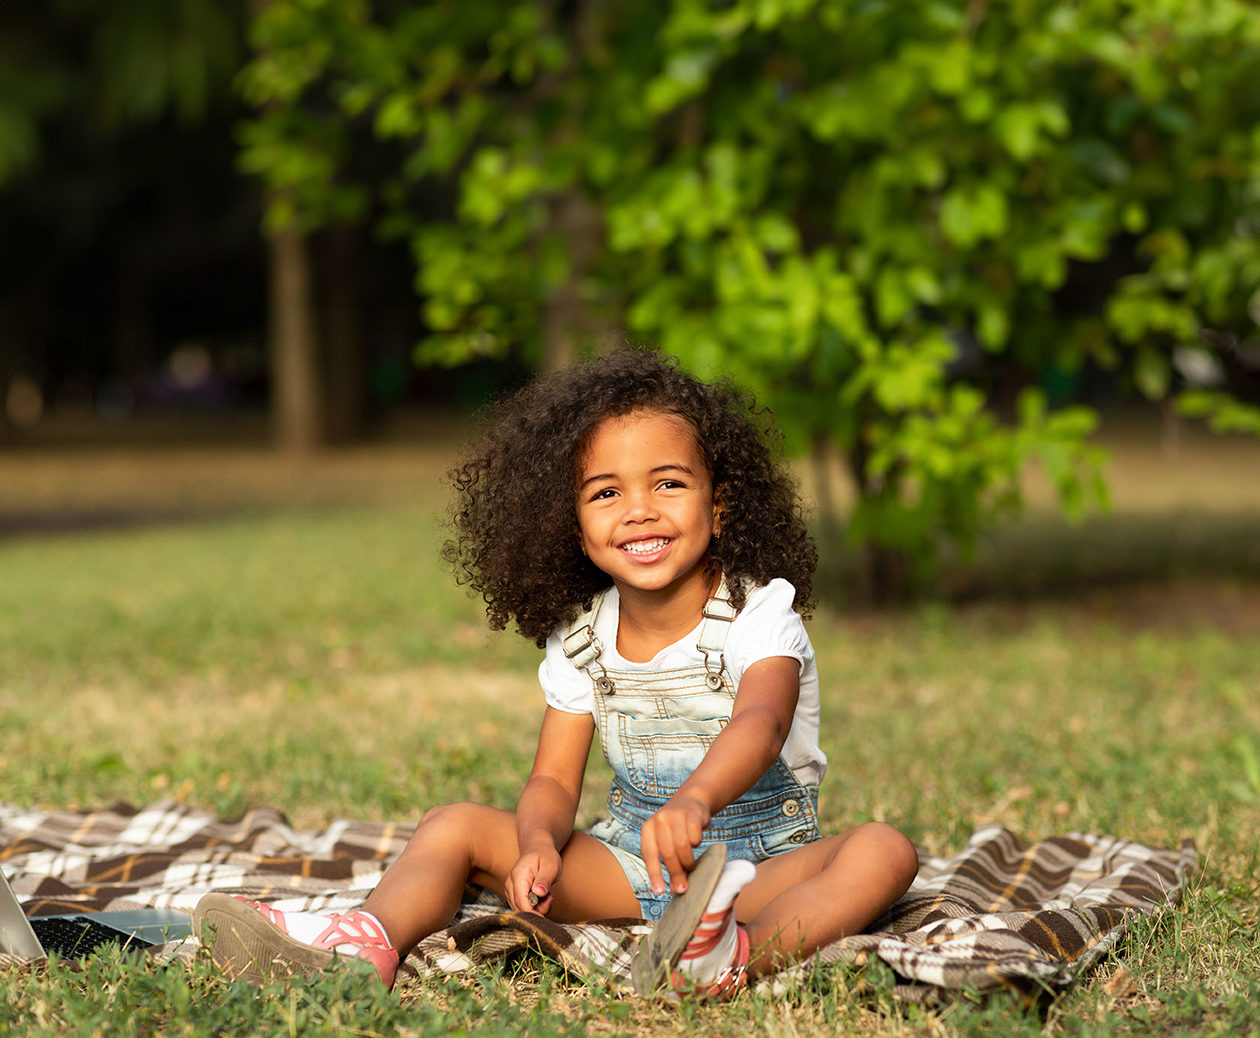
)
(655, 728)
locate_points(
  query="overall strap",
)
(583, 647)
(718, 615)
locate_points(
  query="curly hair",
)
(515, 516)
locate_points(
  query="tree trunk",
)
(6, 374)
(885, 572)
(133, 326)
(344, 380)
(884, 578)
(295, 383)
(823, 489)
(1169, 427)
(566, 319)
(19, 327)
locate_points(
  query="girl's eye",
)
(670, 484)
(607, 492)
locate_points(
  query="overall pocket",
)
(659, 755)
(793, 825)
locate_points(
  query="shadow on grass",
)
(1044, 557)
(29, 522)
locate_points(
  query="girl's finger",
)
(651, 858)
(677, 872)
(683, 844)
(521, 886)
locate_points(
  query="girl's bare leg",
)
(460, 843)
(807, 898)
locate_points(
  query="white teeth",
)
(645, 547)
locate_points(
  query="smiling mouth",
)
(648, 547)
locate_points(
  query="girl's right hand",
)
(529, 884)
(670, 837)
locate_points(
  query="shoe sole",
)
(658, 953)
(245, 945)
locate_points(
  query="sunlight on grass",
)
(326, 664)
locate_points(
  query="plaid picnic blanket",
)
(999, 914)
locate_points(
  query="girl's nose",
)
(639, 508)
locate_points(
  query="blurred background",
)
(993, 265)
(982, 260)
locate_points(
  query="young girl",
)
(634, 521)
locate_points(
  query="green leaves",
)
(834, 202)
(971, 214)
(108, 66)
(1223, 412)
(686, 75)
(19, 142)
(1151, 373)
(1025, 129)
(494, 184)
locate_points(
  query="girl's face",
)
(645, 504)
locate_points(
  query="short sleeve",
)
(768, 626)
(564, 686)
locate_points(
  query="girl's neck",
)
(652, 620)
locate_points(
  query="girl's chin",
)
(648, 580)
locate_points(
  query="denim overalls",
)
(656, 726)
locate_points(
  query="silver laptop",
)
(77, 935)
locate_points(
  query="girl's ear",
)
(577, 532)
(719, 506)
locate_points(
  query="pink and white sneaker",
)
(255, 941)
(714, 961)
(697, 949)
(729, 979)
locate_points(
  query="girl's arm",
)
(547, 806)
(739, 756)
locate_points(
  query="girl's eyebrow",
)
(668, 467)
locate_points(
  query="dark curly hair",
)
(515, 516)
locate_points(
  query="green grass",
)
(327, 665)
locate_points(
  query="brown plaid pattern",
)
(1003, 914)
(1000, 914)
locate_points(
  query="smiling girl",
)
(634, 521)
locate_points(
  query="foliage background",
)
(893, 222)
(924, 232)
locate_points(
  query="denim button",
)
(614, 798)
(791, 808)
(800, 836)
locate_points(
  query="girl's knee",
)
(887, 848)
(441, 812)
(455, 819)
(892, 846)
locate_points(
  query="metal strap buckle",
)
(585, 653)
(724, 609)
(586, 637)
(713, 678)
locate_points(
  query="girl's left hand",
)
(670, 836)
(528, 886)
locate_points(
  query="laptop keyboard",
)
(75, 938)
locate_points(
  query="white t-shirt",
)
(765, 627)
